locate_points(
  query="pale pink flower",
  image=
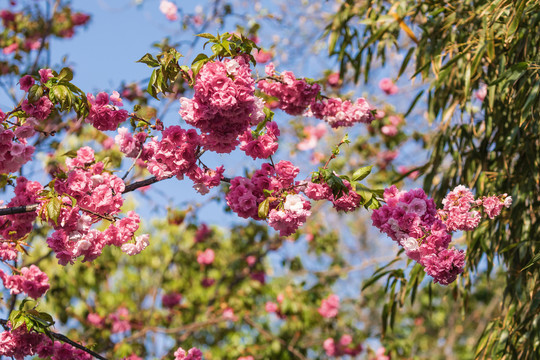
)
(169, 9)
(388, 86)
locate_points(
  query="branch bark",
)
(65, 339)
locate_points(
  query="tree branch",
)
(33, 207)
(271, 336)
(65, 339)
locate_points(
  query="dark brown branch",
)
(18, 209)
(33, 207)
(65, 339)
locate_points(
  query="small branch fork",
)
(65, 339)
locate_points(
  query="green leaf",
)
(405, 62)
(65, 74)
(149, 60)
(264, 208)
(362, 173)
(411, 107)
(35, 93)
(532, 262)
(53, 209)
(207, 36)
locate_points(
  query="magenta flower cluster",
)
(105, 113)
(337, 112)
(329, 307)
(343, 347)
(288, 209)
(17, 226)
(224, 104)
(294, 95)
(32, 281)
(347, 202)
(14, 150)
(263, 146)
(98, 195)
(19, 343)
(191, 354)
(412, 220)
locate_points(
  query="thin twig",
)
(271, 336)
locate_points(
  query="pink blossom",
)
(271, 307)
(481, 92)
(206, 257)
(329, 306)
(104, 114)
(45, 75)
(171, 299)
(444, 266)
(313, 134)
(95, 319)
(192, 354)
(251, 260)
(388, 86)
(337, 112)
(329, 347)
(26, 82)
(169, 9)
(294, 95)
(40, 109)
(333, 79)
(10, 48)
(262, 56)
(492, 206)
(379, 354)
(224, 104)
(120, 320)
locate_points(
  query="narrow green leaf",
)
(264, 208)
(362, 173)
(149, 60)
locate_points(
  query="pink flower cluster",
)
(129, 144)
(169, 9)
(40, 109)
(120, 320)
(263, 146)
(294, 95)
(313, 135)
(321, 191)
(174, 155)
(262, 56)
(171, 299)
(98, 194)
(388, 86)
(206, 257)
(32, 281)
(13, 227)
(20, 343)
(14, 154)
(287, 212)
(104, 112)
(391, 128)
(410, 219)
(458, 212)
(343, 347)
(224, 104)
(202, 233)
(272, 307)
(329, 307)
(337, 112)
(192, 354)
